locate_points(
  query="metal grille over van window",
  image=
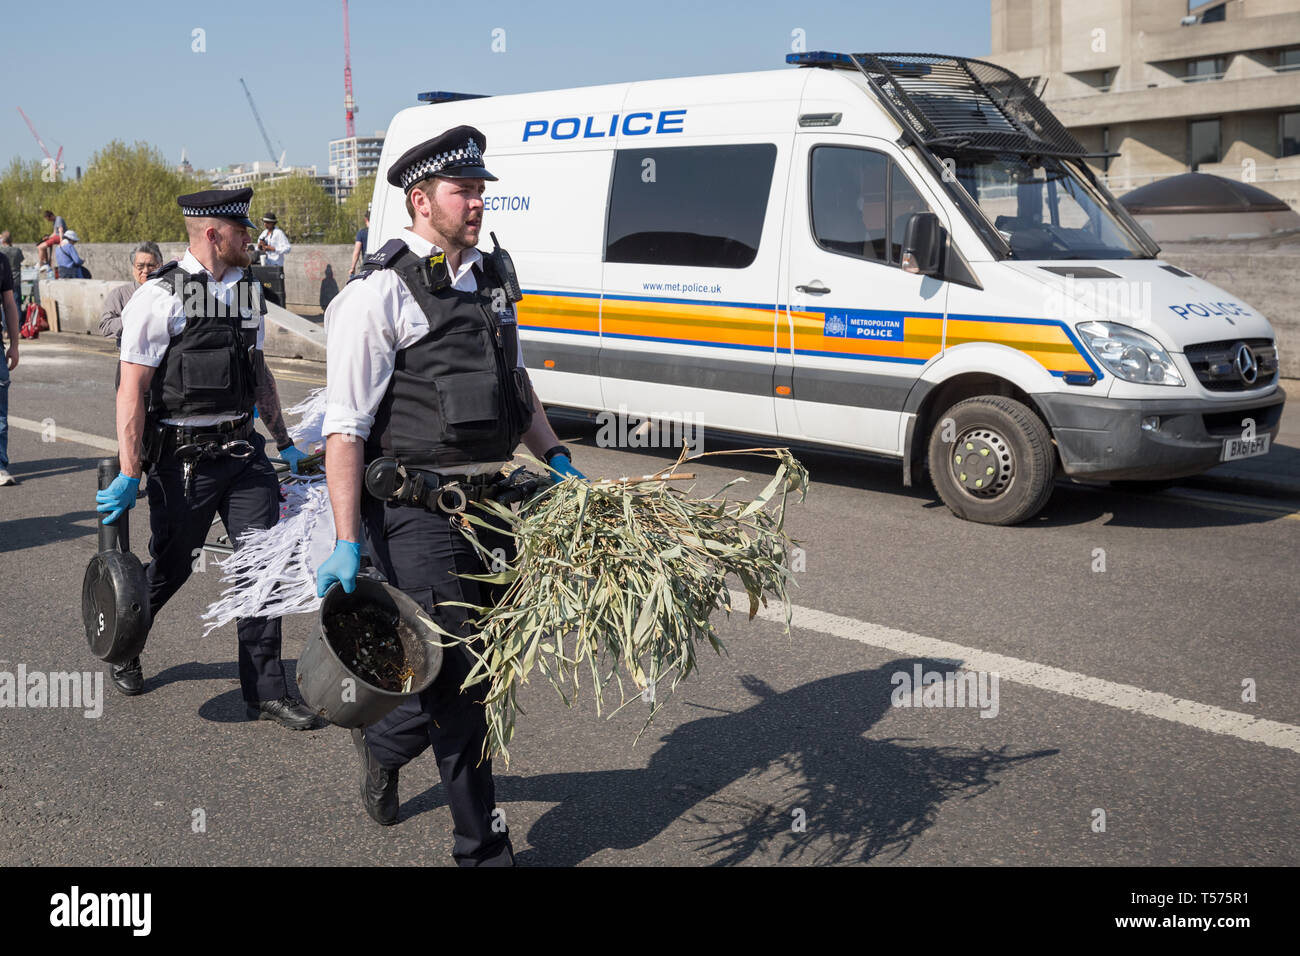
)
(861, 202)
(689, 205)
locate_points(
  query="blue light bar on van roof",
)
(817, 58)
(443, 96)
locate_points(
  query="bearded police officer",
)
(192, 370)
(425, 374)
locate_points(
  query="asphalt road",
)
(1121, 692)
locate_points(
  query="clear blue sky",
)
(127, 71)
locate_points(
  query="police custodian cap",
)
(218, 203)
(455, 154)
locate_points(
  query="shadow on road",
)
(50, 467)
(16, 534)
(860, 798)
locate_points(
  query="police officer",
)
(192, 370)
(425, 371)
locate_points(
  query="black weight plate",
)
(115, 606)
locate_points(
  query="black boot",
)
(378, 785)
(286, 711)
(127, 678)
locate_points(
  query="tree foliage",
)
(306, 212)
(128, 194)
(24, 195)
(354, 207)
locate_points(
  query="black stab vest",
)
(456, 396)
(208, 368)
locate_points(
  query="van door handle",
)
(813, 288)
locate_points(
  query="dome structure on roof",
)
(1202, 206)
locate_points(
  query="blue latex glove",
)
(117, 497)
(565, 468)
(341, 566)
(291, 456)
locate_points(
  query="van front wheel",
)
(991, 460)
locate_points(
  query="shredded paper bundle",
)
(273, 572)
(619, 579)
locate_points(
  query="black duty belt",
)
(389, 480)
(174, 437)
(190, 444)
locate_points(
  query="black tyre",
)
(991, 460)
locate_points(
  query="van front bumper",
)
(1104, 439)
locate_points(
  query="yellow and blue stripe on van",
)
(871, 335)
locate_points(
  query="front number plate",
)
(1236, 448)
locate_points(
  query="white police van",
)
(900, 254)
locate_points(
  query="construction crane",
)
(257, 116)
(54, 160)
(349, 104)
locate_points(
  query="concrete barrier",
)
(75, 305)
(313, 275)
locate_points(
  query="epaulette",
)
(163, 270)
(382, 258)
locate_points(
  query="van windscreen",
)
(1044, 209)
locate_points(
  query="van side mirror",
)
(923, 244)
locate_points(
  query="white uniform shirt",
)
(276, 238)
(155, 313)
(365, 326)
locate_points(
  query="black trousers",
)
(420, 552)
(246, 493)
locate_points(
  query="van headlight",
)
(1132, 355)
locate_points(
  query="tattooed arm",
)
(268, 402)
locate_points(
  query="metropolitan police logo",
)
(834, 326)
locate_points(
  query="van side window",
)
(689, 205)
(860, 203)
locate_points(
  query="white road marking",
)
(1136, 700)
(64, 434)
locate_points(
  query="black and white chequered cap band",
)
(467, 155)
(237, 209)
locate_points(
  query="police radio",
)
(504, 267)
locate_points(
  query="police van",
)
(899, 254)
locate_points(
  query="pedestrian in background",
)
(15, 257)
(66, 259)
(145, 258)
(359, 247)
(10, 309)
(50, 242)
(273, 242)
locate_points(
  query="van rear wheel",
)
(991, 460)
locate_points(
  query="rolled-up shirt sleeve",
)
(360, 349)
(147, 320)
(280, 242)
